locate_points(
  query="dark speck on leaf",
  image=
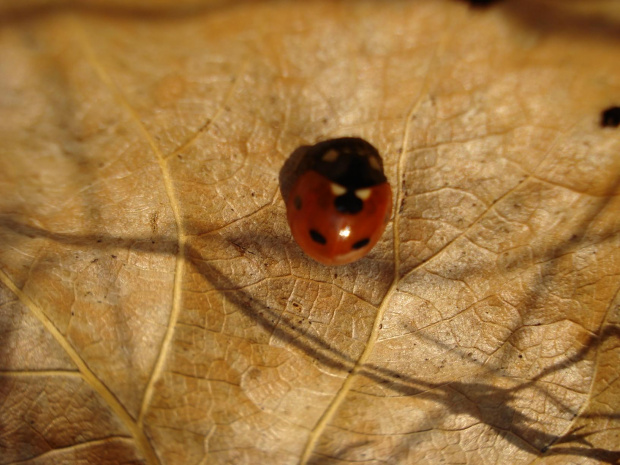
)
(480, 3)
(610, 118)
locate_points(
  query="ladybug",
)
(339, 205)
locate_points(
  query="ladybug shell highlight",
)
(338, 207)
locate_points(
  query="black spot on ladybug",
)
(610, 118)
(361, 243)
(348, 203)
(318, 237)
(297, 202)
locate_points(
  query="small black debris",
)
(610, 118)
(480, 3)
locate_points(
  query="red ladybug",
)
(339, 206)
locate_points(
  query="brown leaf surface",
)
(154, 308)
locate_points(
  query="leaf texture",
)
(154, 308)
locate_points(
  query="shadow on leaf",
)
(489, 404)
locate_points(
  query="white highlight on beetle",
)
(345, 232)
(337, 189)
(362, 194)
(374, 163)
(330, 155)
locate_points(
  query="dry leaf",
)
(154, 308)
